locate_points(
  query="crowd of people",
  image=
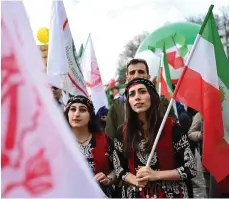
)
(117, 142)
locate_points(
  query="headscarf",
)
(102, 111)
(80, 99)
(139, 80)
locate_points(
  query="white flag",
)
(92, 76)
(62, 60)
(39, 155)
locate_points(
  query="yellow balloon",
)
(43, 35)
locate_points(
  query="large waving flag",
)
(62, 59)
(92, 75)
(39, 155)
(204, 86)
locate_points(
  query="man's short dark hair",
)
(137, 61)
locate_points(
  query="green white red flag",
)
(204, 86)
(176, 49)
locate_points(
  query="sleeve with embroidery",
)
(185, 158)
(111, 123)
(119, 161)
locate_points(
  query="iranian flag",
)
(204, 86)
(175, 49)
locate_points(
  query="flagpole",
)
(206, 19)
(159, 132)
(171, 102)
(159, 82)
(177, 88)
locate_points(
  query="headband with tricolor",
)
(139, 80)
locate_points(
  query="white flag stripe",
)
(207, 58)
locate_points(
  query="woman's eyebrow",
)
(83, 106)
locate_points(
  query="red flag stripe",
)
(175, 62)
(200, 95)
(65, 23)
(76, 85)
(164, 86)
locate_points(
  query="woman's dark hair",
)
(134, 126)
(164, 103)
(93, 125)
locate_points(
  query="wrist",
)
(157, 176)
(109, 180)
(135, 182)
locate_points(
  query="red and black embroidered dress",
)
(99, 155)
(172, 152)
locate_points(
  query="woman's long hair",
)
(93, 124)
(134, 126)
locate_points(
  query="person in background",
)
(164, 103)
(96, 146)
(102, 116)
(172, 164)
(191, 112)
(184, 119)
(116, 115)
(115, 92)
(57, 94)
(195, 131)
(195, 135)
(219, 190)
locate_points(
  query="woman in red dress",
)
(172, 165)
(95, 145)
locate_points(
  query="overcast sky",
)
(113, 23)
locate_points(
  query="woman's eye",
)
(143, 91)
(83, 110)
(73, 109)
(131, 94)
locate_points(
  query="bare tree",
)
(128, 53)
(222, 22)
(197, 20)
(224, 26)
